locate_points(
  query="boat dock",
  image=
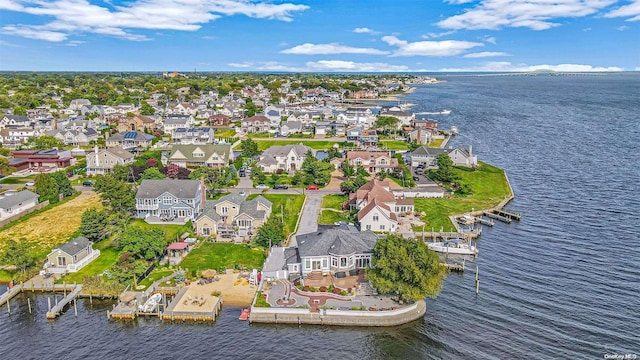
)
(55, 311)
(508, 215)
(497, 217)
(454, 267)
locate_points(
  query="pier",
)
(55, 311)
(497, 217)
(454, 267)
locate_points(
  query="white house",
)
(102, 161)
(287, 158)
(11, 205)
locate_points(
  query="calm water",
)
(561, 283)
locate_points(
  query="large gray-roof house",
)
(285, 158)
(71, 256)
(169, 200)
(332, 249)
(428, 156)
(17, 203)
(233, 215)
(199, 155)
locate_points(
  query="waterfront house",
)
(102, 161)
(169, 200)
(332, 249)
(286, 158)
(71, 256)
(378, 208)
(12, 205)
(233, 215)
(373, 161)
(427, 156)
(199, 155)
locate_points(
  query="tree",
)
(406, 268)
(152, 173)
(172, 171)
(387, 123)
(20, 111)
(18, 254)
(45, 142)
(5, 169)
(347, 169)
(47, 188)
(64, 185)
(146, 109)
(271, 233)
(249, 148)
(361, 171)
(118, 196)
(93, 224)
(444, 172)
(152, 163)
(142, 244)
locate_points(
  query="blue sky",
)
(320, 35)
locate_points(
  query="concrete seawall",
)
(338, 317)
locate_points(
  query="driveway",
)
(309, 217)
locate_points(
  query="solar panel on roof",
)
(130, 135)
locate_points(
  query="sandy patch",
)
(234, 290)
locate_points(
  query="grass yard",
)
(224, 133)
(6, 276)
(316, 145)
(489, 186)
(108, 257)
(290, 204)
(393, 145)
(333, 201)
(171, 232)
(153, 277)
(50, 227)
(436, 143)
(218, 255)
(17, 180)
(328, 217)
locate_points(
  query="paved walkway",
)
(309, 217)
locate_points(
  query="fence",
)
(26, 212)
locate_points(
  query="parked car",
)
(241, 172)
(30, 183)
(280, 187)
(313, 187)
(87, 184)
(242, 193)
(415, 178)
(261, 186)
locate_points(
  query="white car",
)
(30, 183)
(262, 186)
(242, 193)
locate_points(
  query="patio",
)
(163, 221)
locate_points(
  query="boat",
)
(453, 246)
(466, 220)
(454, 130)
(151, 303)
(245, 314)
(445, 112)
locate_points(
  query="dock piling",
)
(9, 306)
(75, 307)
(29, 304)
(477, 281)
(49, 302)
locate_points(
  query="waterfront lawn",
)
(489, 186)
(153, 277)
(290, 204)
(333, 202)
(171, 232)
(218, 255)
(316, 145)
(436, 143)
(6, 276)
(50, 226)
(393, 145)
(108, 257)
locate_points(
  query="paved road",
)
(309, 217)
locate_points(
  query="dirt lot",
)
(234, 290)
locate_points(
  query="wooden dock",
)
(508, 215)
(497, 217)
(57, 308)
(454, 267)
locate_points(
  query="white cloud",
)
(504, 66)
(75, 43)
(622, 28)
(587, 29)
(334, 48)
(32, 32)
(485, 54)
(79, 16)
(242, 65)
(490, 39)
(350, 66)
(632, 11)
(437, 35)
(429, 48)
(533, 14)
(457, 2)
(637, 68)
(209, 37)
(364, 30)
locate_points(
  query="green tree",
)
(152, 173)
(271, 233)
(47, 188)
(406, 268)
(347, 169)
(18, 254)
(93, 224)
(146, 109)
(5, 169)
(45, 142)
(249, 148)
(118, 196)
(20, 111)
(64, 185)
(142, 244)
(361, 171)
(444, 172)
(387, 123)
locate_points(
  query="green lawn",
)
(290, 204)
(489, 186)
(6, 276)
(171, 232)
(224, 133)
(333, 201)
(316, 145)
(17, 180)
(108, 257)
(218, 255)
(393, 145)
(436, 143)
(153, 277)
(330, 217)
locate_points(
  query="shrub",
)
(336, 291)
(305, 288)
(299, 286)
(216, 293)
(314, 289)
(323, 289)
(331, 288)
(355, 308)
(344, 293)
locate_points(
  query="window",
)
(368, 227)
(206, 231)
(293, 158)
(343, 262)
(381, 227)
(376, 217)
(166, 200)
(325, 263)
(307, 264)
(225, 210)
(62, 261)
(334, 262)
(198, 154)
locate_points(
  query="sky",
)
(320, 35)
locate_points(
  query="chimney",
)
(95, 149)
(203, 192)
(470, 150)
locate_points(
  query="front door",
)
(315, 265)
(182, 213)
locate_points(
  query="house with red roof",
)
(378, 208)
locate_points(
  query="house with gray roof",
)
(332, 249)
(199, 155)
(70, 256)
(12, 205)
(233, 215)
(130, 140)
(428, 156)
(286, 158)
(169, 200)
(102, 161)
